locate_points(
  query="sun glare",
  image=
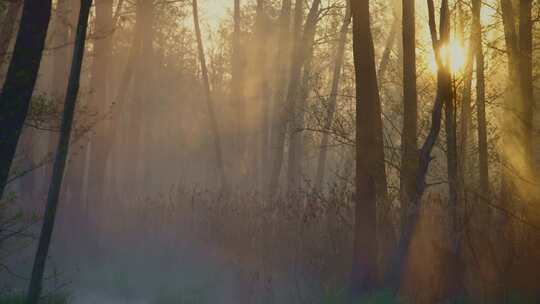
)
(453, 54)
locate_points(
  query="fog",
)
(227, 166)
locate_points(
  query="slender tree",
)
(480, 99)
(264, 90)
(297, 103)
(237, 94)
(389, 45)
(332, 100)
(100, 83)
(20, 80)
(451, 142)
(60, 56)
(465, 102)
(409, 149)
(517, 171)
(209, 102)
(34, 290)
(410, 219)
(276, 142)
(525, 114)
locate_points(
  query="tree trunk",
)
(34, 290)
(452, 163)
(277, 135)
(525, 114)
(364, 264)
(119, 109)
(287, 110)
(20, 80)
(8, 28)
(409, 149)
(137, 122)
(100, 99)
(209, 102)
(263, 89)
(332, 101)
(385, 58)
(296, 118)
(60, 57)
(237, 94)
(480, 100)
(410, 219)
(466, 109)
(518, 104)
(509, 120)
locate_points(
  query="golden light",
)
(453, 54)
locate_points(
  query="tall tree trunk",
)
(287, 110)
(296, 118)
(511, 107)
(525, 114)
(60, 57)
(409, 150)
(8, 28)
(410, 219)
(518, 106)
(137, 122)
(20, 80)
(480, 100)
(100, 99)
(451, 155)
(364, 264)
(34, 290)
(264, 90)
(237, 80)
(277, 133)
(209, 102)
(61, 61)
(119, 109)
(466, 109)
(332, 101)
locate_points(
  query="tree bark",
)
(364, 264)
(209, 102)
(34, 290)
(20, 80)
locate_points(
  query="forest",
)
(269, 151)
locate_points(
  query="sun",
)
(453, 55)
